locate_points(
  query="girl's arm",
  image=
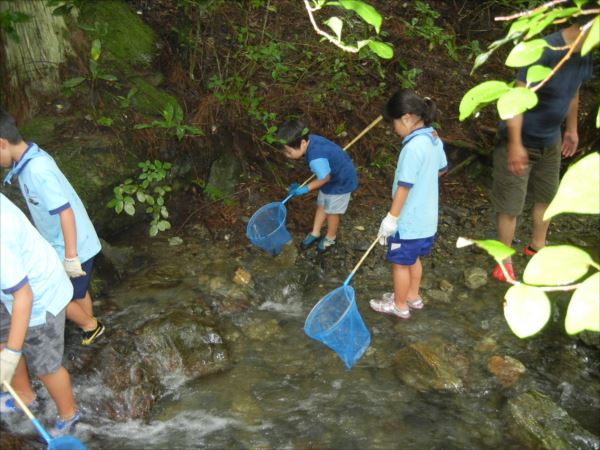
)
(318, 184)
(19, 320)
(69, 231)
(399, 199)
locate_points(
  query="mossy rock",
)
(129, 42)
(150, 100)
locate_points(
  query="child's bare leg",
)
(320, 217)
(333, 221)
(86, 304)
(416, 272)
(401, 278)
(77, 314)
(59, 387)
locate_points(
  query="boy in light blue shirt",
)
(34, 290)
(410, 225)
(59, 216)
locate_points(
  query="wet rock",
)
(446, 286)
(540, 423)
(590, 338)
(10, 442)
(432, 365)
(475, 277)
(120, 258)
(242, 277)
(175, 240)
(438, 296)
(507, 370)
(262, 330)
(487, 344)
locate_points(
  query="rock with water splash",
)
(507, 370)
(540, 423)
(432, 365)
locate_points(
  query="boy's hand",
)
(388, 227)
(9, 359)
(295, 190)
(73, 267)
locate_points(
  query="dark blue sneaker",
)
(325, 244)
(309, 241)
(64, 427)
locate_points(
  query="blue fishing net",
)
(336, 322)
(66, 443)
(266, 228)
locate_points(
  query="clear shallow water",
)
(284, 390)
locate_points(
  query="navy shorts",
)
(405, 252)
(80, 284)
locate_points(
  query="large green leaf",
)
(96, 49)
(541, 23)
(557, 265)
(526, 53)
(496, 249)
(365, 11)
(527, 309)
(593, 38)
(481, 95)
(537, 73)
(381, 49)
(584, 309)
(516, 101)
(579, 190)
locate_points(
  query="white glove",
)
(73, 267)
(8, 364)
(388, 227)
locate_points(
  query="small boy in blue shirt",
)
(335, 178)
(409, 227)
(34, 291)
(59, 216)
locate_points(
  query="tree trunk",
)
(29, 69)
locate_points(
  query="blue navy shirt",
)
(541, 125)
(327, 158)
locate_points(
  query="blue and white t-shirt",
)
(48, 192)
(327, 158)
(421, 159)
(25, 257)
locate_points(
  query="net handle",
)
(352, 142)
(361, 261)
(28, 412)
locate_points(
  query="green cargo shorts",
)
(540, 179)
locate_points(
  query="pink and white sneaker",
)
(389, 307)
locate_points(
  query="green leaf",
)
(540, 24)
(112, 203)
(153, 230)
(72, 82)
(96, 49)
(129, 209)
(496, 249)
(140, 196)
(557, 265)
(107, 77)
(579, 190)
(526, 53)
(527, 309)
(516, 101)
(336, 24)
(164, 212)
(119, 206)
(537, 73)
(141, 126)
(104, 121)
(584, 308)
(381, 49)
(480, 60)
(365, 11)
(593, 37)
(481, 95)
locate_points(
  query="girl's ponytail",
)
(429, 111)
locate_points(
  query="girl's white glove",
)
(388, 227)
(9, 359)
(73, 267)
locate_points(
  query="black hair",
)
(291, 133)
(8, 128)
(407, 102)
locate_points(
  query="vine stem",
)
(326, 35)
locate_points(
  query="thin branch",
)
(326, 35)
(530, 11)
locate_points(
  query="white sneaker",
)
(417, 303)
(389, 307)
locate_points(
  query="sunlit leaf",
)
(516, 101)
(541, 23)
(496, 249)
(520, 25)
(119, 206)
(537, 73)
(557, 265)
(584, 308)
(527, 309)
(96, 49)
(129, 209)
(365, 11)
(336, 24)
(526, 53)
(593, 37)
(153, 230)
(481, 95)
(381, 49)
(480, 60)
(579, 190)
